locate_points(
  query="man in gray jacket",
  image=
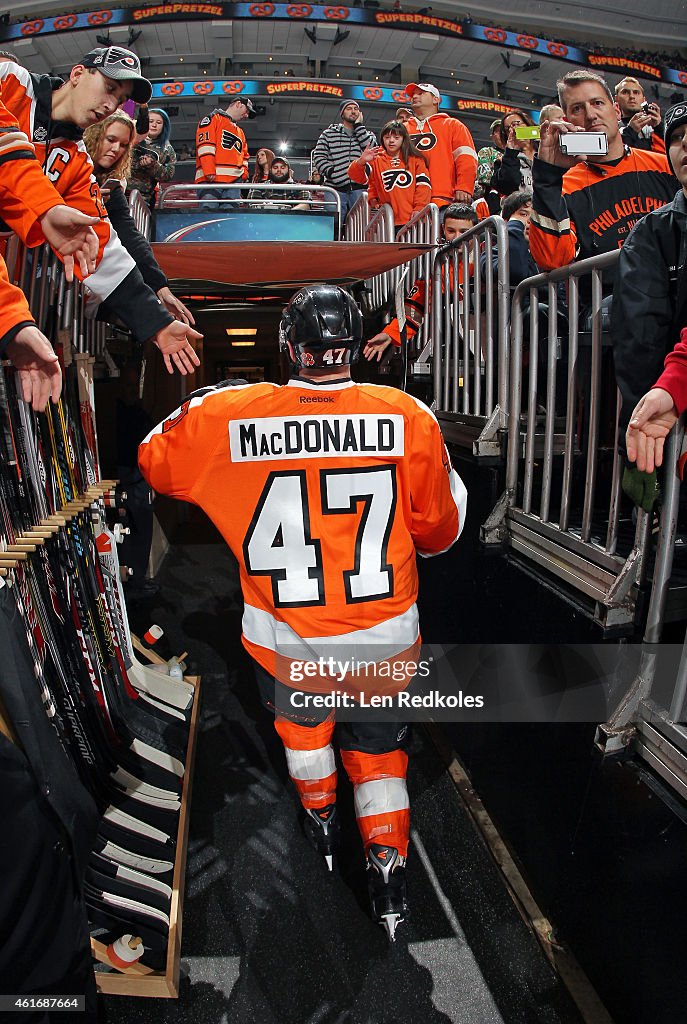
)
(337, 147)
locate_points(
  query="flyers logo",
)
(231, 141)
(202, 88)
(177, 418)
(65, 22)
(29, 28)
(424, 141)
(495, 35)
(396, 177)
(172, 88)
(527, 42)
(557, 49)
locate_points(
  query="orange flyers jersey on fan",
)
(221, 149)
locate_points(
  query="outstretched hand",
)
(175, 306)
(174, 341)
(375, 347)
(37, 366)
(654, 417)
(70, 233)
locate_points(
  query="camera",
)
(146, 149)
(584, 143)
(645, 107)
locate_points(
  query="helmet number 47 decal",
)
(334, 356)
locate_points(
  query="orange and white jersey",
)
(324, 493)
(221, 149)
(450, 151)
(14, 309)
(25, 110)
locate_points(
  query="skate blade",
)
(391, 922)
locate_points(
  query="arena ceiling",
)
(265, 50)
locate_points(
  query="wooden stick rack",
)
(139, 980)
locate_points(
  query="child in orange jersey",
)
(395, 173)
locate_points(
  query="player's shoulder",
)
(396, 401)
(235, 391)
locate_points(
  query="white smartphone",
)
(584, 143)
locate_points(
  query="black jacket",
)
(133, 241)
(649, 300)
(512, 172)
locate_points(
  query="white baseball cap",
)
(424, 87)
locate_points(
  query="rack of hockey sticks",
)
(127, 728)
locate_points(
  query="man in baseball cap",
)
(413, 89)
(123, 66)
(445, 142)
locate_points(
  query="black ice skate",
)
(386, 881)
(322, 829)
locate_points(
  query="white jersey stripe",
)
(381, 796)
(310, 765)
(385, 640)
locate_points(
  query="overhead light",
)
(240, 332)
(283, 146)
(242, 344)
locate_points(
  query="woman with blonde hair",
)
(110, 145)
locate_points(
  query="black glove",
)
(142, 121)
(642, 488)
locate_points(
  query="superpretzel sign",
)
(180, 89)
(407, 22)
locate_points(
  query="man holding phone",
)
(587, 200)
(640, 121)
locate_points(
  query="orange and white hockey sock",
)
(382, 807)
(310, 760)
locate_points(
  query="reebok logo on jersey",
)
(396, 177)
(306, 400)
(299, 437)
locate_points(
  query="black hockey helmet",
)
(321, 328)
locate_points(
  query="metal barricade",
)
(140, 212)
(423, 226)
(357, 220)
(650, 718)
(468, 339)
(240, 195)
(561, 506)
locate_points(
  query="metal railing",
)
(241, 195)
(58, 307)
(650, 718)
(469, 337)
(357, 220)
(423, 227)
(140, 212)
(561, 504)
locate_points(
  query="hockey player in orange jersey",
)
(447, 144)
(324, 489)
